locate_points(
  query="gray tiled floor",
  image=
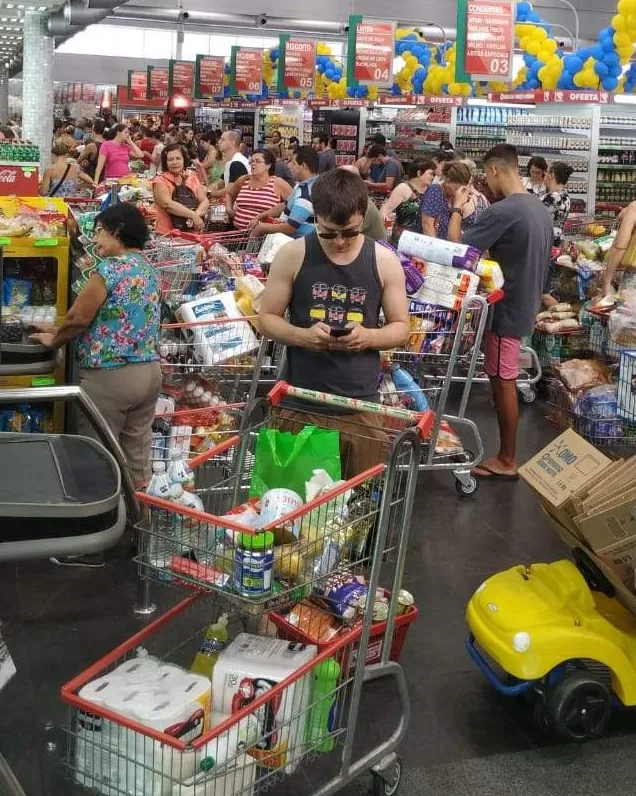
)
(463, 739)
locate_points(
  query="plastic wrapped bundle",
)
(597, 410)
(412, 276)
(442, 252)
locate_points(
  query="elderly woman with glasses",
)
(253, 194)
(115, 321)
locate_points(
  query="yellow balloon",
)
(524, 42)
(533, 48)
(621, 40)
(630, 7)
(623, 7)
(540, 33)
(619, 22)
(579, 79)
(631, 32)
(550, 45)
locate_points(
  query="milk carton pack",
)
(221, 336)
(249, 667)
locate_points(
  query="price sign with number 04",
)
(373, 60)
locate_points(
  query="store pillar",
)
(4, 96)
(37, 89)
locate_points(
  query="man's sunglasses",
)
(345, 233)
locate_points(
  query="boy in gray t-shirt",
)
(517, 231)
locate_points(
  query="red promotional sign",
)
(423, 99)
(137, 79)
(157, 82)
(515, 96)
(373, 54)
(209, 76)
(16, 181)
(333, 103)
(586, 97)
(248, 70)
(300, 64)
(88, 92)
(181, 78)
(490, 39)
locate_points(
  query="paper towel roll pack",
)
(434, 250)
(216, 343)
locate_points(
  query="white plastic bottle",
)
(160, 482)
(183, 498)
(180, 471)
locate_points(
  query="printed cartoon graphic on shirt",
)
(319, 290)
(349, 306)
(338, 293)
(336, 314)
(318, 313)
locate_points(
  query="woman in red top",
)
(180, 199)
(251, 195)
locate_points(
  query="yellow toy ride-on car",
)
(556, 633)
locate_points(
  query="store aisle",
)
(463, 738)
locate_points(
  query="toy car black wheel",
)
(466, 489)
(577, 707)
(388, 782)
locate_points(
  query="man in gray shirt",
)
(326, 155)
(518, 233)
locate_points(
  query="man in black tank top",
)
(334, 283)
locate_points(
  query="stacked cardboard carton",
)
(591, 501)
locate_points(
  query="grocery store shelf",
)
(612, 166)
(618, 126)
(480, 137)
(618, 147)
(25, 164)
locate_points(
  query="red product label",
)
(490, 39)
(210, 76)
(373, 64)
(248, 71)
(300, 64)
(183, 78)
(159, 76)
(16, 181)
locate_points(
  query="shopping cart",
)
(274, 728)
(378, 195)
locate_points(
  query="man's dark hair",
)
(376, 151)
(307, 156)
(537, 162)
(339, 194)
(323, 138)
(504, 154)
(379, 139)
(419, 167)
(171, 148)
(443, 156)
(126, 223)
(99, 125)
(8, 133)
(333, 143)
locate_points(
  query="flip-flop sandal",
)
(489, 474)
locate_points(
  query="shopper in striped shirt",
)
(254, 194)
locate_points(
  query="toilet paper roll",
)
(137, 670)
(162, 712)
(104, 690)
(170, 677)
(197, 689)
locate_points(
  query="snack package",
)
(16, 292)
(318, 626)
(582, 374)
(339, 594)
(490, 275)
(448, 443)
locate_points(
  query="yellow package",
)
(490, 275)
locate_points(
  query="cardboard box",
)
(563, 467)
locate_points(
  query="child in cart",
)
(333, 283)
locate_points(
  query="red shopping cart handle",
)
(423, 421)
(494, 296)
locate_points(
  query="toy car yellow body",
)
(541, 630)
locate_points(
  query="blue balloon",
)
(601, 69)
(274, 54)
(395, 90)
(320, 67)
(573, 64)
(533, 17)
(521, 17)
(402, 47)
(608, 45)
(523, 7)
(612, 59)
(607, 33)
(411, 37)
(417, 50)
(615, 71)
(533, 83)
(584, 53)
(609, 83)
(420, 73)
(297, 95)
(445, 88)
(598, 53)
(329, 74)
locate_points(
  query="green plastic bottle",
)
(320, 723)
(214, 643)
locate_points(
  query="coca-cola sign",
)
(18, 181)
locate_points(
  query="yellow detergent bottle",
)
(213, 644)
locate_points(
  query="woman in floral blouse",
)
(115, 320)
(557, 200)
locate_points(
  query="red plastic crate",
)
(290, 632)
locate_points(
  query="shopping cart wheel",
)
(528, 395)
(387, 781)
(578, 707)
(468, 488)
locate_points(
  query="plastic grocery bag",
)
(286, 460)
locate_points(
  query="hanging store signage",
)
(88, 92)
(338, 103)
(528, 97)
(485, 39)
(208, 76)
(372, 43)
(296, 64)
(157, 82)
(423, 99)
(137, 84)
(181, 78)
(77, 92)
(246, 72)
(585, 97)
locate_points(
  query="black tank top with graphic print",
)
(336, 295)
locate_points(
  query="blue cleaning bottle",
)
(405, 383)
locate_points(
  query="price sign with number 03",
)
(490, 38)
(373, 59)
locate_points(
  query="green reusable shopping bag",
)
(287, 460)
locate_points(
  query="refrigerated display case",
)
(343, 125)
(616, 167)
(287, 119)
(411, 131)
